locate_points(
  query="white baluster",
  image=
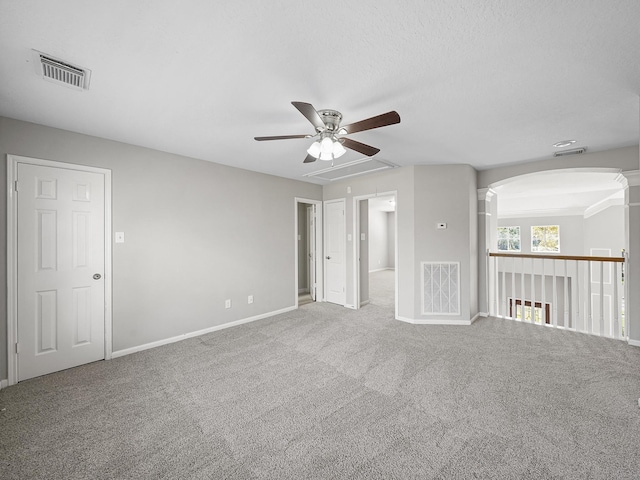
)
(533, 290)
(602, 331)
(589, 313)
(543, 310)
(616, 320)
(577, 322)
(565, 285)
(512, 313)
(554, 297)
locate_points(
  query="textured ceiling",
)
(484, 83)
(558, 192)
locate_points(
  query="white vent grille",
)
(440, 288)
(61, 72)
(573, 151)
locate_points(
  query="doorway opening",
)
(308, 248)
(376, 251)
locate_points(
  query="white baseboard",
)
(166, 341)
(635, 343)
(362, 304)
(303, 290)
(435, 321)
(477, 316)
(483, 314)
(381, 269)
(4, 383)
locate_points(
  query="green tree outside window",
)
(545, 238)
(509, 239)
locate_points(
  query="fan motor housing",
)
(331, 119)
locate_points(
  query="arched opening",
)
(560, 215)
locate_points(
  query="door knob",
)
(97, 276)
(328, 257)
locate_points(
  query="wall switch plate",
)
(250, 299)
(441, 225)
(363, 236)
(227, 303)
(348, 189)
(299, 237)
(119, 237)
(349, 237)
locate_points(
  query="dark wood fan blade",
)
(309, 159)
(367, 150)
(310, 113)
(383, 120)
(281, 137)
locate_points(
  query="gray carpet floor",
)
(326, 392)
(382, 289)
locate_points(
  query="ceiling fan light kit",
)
(327, 125)
(327, 148)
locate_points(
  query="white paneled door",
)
(60, 269)
(334, 251)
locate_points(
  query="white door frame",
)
(318, 253)
(356, 244)
(12, 255)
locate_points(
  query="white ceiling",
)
(558, 193)
(483, 83)
(383, 204)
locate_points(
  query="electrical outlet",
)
(250, 299)
(227, 303)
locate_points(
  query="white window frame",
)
(519, 238)
(534, 250)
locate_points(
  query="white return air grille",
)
(61, 72)
(440, 288)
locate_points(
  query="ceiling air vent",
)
(573, 151)
(61, 72)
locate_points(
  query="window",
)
(545, 238)
(509, 239)
(538, 313)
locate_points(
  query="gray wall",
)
(378, 240)
(447, 194)
(391, 239)
(197, 233)
(303, 262)
(626, 159)
(605, 229)
(571, 231)
(364, 251)
(400, 180)
(425, 195)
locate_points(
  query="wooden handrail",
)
(559, 257)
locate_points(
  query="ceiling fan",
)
(330, 145)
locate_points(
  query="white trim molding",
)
(178, 338)
(632, 178)
(4, 383)
(437, 321)
(486, 194)
(634, 343)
